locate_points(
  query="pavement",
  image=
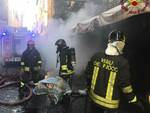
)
(41, 103)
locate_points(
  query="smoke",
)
(57, 28)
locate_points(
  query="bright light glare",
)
(28, 13)
(3, 34)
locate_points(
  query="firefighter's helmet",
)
(60, 43)
(30, 42)
(116, 35)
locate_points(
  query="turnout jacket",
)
(65, 61)
(31, 60)
(107, 76)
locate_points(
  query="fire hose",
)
(3, 80)
(3, 85)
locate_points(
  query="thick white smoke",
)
(57, 29)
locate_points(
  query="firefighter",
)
(66, 58)
(108, 72)
(31, 63)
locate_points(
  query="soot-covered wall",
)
(137, 30)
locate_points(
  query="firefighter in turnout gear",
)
(66, 58)
(30, 67)
(108, 74)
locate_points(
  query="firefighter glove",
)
(22, 84)
(137, 103)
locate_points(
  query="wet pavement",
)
(40, 104)
(10, 94)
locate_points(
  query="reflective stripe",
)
(64, 67)
(124, 38)
(26, 69)
(22, 63)
(39, 62)
(149, 99)
(68, 73)
(127, 89)
(22, 69)
(36, 68)
(133, 100)
(103, 101)
(94, 77)
(110, 86)
(71, 72)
